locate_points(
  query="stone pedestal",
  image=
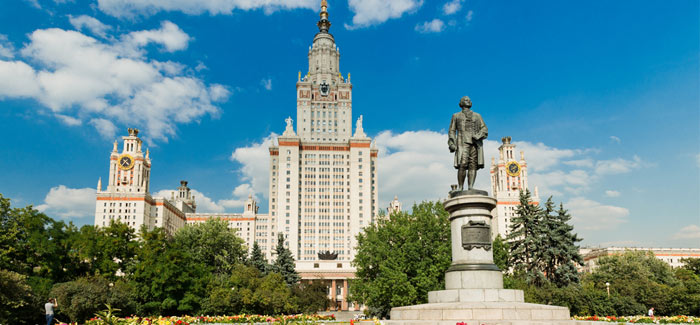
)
(473, 284)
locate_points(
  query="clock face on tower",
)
(126, 162)
(324, 88)
(513, 168)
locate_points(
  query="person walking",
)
(49, 306)
(651, 312)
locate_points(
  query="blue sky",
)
(603, 97)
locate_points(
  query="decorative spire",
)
(324, 24)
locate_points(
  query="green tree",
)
(692, 264)
(636, 274)
(257, 259)
(105, 250)
(212, 243)
(400, 259)
(525, 240)
(16, 299)
(500, 253)
(311, 297)
(79, 300)
(165, 279)
(567, 254)
(284, 263)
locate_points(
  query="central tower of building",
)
(323, 177)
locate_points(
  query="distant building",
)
(672, 256)
(127, 198)
(508, 178)
(394, 206)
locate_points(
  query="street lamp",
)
(607, 287)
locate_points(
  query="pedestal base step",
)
(475, 295)
(480, 313)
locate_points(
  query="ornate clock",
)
(325, 89)
(513, 168)
(125, 162)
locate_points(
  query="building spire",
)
(324, 24)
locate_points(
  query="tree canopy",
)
(401, 258)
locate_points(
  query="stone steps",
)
(479, 313)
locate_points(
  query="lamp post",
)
(607, 287)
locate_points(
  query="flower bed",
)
(191, 320)
(643, 319)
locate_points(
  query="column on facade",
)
(333, 295)
(345, 295)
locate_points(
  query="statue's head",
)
(465, 102)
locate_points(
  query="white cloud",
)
(374, 12)
(266, 83)
(130, 8)
(452, 7)
(78, 76)
(169, 35)
(611, 193)
(688, 232)
(105, 128)
(615, 139)
(617, 166)
(69, 202)
(415, 166)
(592, 215)
(470, 15)
(93, 25)
(7, 50)
(254, 168)
(17, 79)
(433, 26)
(587, 162)
(69, 120)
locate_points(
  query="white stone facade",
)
(508, 178)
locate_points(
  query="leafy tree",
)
(16, 298)
(638, 275)
(257, 259)
(82, 298)
(312, 297)
(400, 259)
(166, 280)
(273, 295)
(284, 264)
(526, 241)
(107, 250)
(692, 264)
(500, 253)
(212, 243)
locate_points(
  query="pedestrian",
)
(651, 312)
(49, 306)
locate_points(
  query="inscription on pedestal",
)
(476, 234)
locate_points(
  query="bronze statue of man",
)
(467, 133)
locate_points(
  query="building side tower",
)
(508, 178)
(130, 169)
(184, 200)
(127, 198)
(323, 177)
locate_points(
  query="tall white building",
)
(508, 178)
(127, 198)
(323, 178)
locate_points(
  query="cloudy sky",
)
(601, 95)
